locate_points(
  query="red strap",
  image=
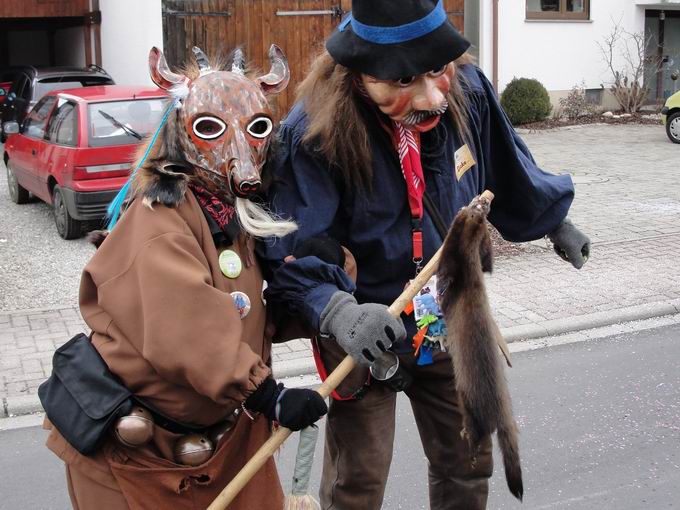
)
(417, 244)
(323, 374)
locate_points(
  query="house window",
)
(558, 9)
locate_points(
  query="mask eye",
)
(406, 81)
(209, 128)
(440, 71)
(260, 127)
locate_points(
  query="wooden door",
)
(455, 10)
(299, 27)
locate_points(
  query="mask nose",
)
(244, 179)
(428, 97)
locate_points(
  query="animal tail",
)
(507, 442)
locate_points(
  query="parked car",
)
(7, 77)
(75, 149)
(670, 115)
(29, 84)
(4, 90)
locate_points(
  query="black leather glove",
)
(570, 243)
(293, 408)
(363, 331)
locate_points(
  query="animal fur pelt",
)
(158, 181)
(472, 338)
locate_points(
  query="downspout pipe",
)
(494, 43)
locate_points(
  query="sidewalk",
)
(627, 201)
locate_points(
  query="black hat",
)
(392, 39)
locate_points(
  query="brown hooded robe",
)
(163, 319)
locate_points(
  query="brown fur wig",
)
(473, 338)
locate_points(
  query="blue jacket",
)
(375, 225)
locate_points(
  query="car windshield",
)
(123, 122)
(46, 85)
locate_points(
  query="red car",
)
(75, 148)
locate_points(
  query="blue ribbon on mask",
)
(399, 33)
(113, 211)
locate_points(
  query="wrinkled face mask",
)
(226, 119)
(417, 102)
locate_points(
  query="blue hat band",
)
(400, 33)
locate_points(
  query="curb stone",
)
(30, 404)
(526, 131)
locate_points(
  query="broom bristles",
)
(305, 502)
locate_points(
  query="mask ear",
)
(161, 74)
(278, 76)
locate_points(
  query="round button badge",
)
(241, 302)
(230, 264)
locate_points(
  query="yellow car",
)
(670, 115)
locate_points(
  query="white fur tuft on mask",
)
(180, 91)
(259, 222)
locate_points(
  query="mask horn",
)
(279, 74)
(161, 73)
(238, 64)
(201, 60)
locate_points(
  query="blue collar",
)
(399, 33)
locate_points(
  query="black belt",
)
(168, 423)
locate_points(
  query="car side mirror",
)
(11, 127)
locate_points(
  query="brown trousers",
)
(360, 437)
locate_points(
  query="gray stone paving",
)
(627, 201)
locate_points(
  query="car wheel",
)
(17, 192)
(67, 227)
(673, 127)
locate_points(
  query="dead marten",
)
(472, 338)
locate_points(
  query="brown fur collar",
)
(159, 181)
(163, 182)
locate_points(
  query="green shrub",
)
(525, 100)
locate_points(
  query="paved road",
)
(600, 423)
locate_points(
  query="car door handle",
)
(33, 151)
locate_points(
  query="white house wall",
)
(560, 54)
(128, 31)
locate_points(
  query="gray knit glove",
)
(363, 331)
(570, 243)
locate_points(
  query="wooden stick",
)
(332, 381)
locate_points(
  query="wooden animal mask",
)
(225, 123)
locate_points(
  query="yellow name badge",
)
(463, 161)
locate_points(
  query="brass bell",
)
(216, 432)
(193, 449)
(136, 428)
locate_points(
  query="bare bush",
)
(576, 105)
(628, 85)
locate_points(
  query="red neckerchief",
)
(223, 214)
(407, 144)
